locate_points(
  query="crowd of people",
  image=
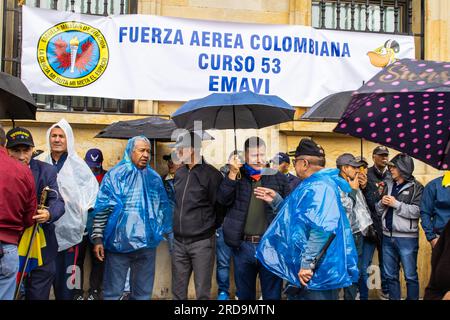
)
(310, 234)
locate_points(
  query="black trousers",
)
(97, 266)
(39, 282)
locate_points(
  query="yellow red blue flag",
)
(35, 256)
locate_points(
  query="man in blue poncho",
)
(131, 215)
(304, 223)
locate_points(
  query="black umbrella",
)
(154, 128)
(241, 110)
(329, 109)
(16, 102)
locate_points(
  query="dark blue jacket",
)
(435, 208)
(45, 175)
(236, 195)
(293, 181)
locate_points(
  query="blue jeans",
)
(247, 268)
(9, 266)
(142, 274)
(366, 261)
(223, 261)
(315, 295)
(404, 250)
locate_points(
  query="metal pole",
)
(362, 148)
(234, 126)
(27, 258)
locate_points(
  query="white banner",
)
(160, 58)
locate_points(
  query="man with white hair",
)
(79, 188)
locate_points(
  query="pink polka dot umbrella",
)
(406, 106)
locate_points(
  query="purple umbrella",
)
(406, 106)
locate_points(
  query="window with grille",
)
(362, 15)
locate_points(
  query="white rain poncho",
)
(78, 187)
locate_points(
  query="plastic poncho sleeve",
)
(132, 209)
(314, 205)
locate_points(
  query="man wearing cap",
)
(356, 208)
(18, 208)
(20, 146)
(94, 160)
(306, 221)
(247, 218)
(194, 219)
(281, 162)
(399, 211)
(372, 192)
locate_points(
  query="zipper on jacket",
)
(182, 202)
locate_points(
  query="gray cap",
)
(188, 140)
(347, 159)
(362, 160)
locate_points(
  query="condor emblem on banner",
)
(73, 54)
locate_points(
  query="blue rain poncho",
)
(139, 210)
(315, 203)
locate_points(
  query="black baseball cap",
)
(19, 136)
(280, 158)
(347, 159)
(381, 150)
(307, 147)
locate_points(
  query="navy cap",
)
(307, 147)
(381, 150)
(347, 159)
(94, 158)
(19, 136)
(280, 158)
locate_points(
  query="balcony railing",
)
(381, 16)
(11, 50)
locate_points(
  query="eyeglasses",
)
(296, 160)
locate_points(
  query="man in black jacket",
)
(372, 192)
(248, 218)
(194, 220)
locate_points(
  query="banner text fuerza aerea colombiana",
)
(236, 63)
